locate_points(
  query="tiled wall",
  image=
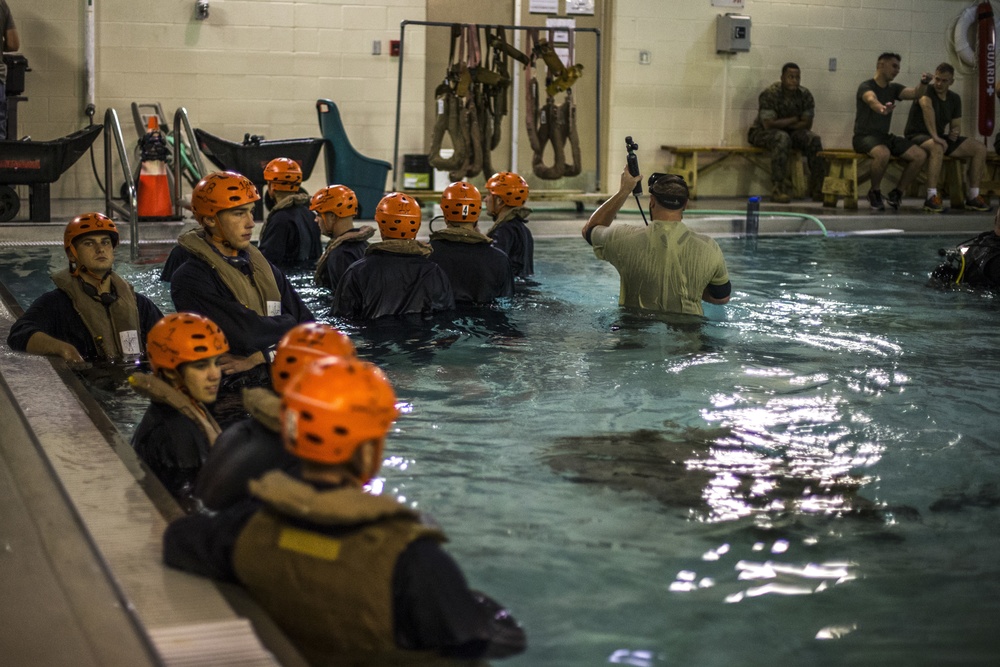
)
(259, 65)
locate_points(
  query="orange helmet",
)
(398, 216)
(81, 225)
(283, 175)
(461, 202)
(182, 337)
(335, 405)
(303, 344)
(509, 188)
(337, 199)
(222, 190)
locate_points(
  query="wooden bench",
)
(846, 172)
(691, 161)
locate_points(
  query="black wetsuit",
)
(515, 239)
(173, 447)
(982, 261)
(291, 238)
(338, 260)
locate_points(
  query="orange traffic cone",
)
(153, 190)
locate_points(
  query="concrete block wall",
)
(259, 65)
(690, 95)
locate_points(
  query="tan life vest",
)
(258, 294)
(159, 390)
(331, 595)
(115, 328)
(460, 235)
(518, 212)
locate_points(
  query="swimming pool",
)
(808, 477)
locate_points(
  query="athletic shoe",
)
(780, 197)
(875, 199)
(933, 204)
(895, 198)
(977, 204)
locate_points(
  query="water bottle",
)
(753, 216)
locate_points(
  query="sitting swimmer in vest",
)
(395, 277)
(506, 195)
(229, 281)
(479, 272)
(251, 447)
(335, 207)
(975, 262)
(177, 431)
(290, 238)
(350, 577)
(94, 314)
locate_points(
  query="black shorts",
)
(919, 139)
(865, 143)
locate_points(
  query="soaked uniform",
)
(173, 447)
(510, 234)
(664, 267)
(95, 330)
(340, 253)
(478, 271)
(774, 103)
(290, 238)
(394, 278)
(244, 451)
(351, 578)
(249, 298)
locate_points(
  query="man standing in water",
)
(664, 267)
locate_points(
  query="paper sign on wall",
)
(584, 7)
(543, 6)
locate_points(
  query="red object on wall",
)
(987, 51)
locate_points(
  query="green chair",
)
(346, 166)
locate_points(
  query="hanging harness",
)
(551, 124)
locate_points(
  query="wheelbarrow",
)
(38, 164)
(250, 157)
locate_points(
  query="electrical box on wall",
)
(732, 33)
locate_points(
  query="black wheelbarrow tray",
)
(37, 164)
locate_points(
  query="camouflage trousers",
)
(780, 143)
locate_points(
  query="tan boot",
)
(779, 196)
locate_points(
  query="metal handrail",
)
(181, 119)
(111, 125)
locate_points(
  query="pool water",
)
(807, 476)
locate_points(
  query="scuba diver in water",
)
(249, 448)
(350, 577)
(975, 262)
(93, 314)
(177, 431)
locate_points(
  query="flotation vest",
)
(521, 212)
(114, 328)
(400, 247)
(329, 589)
(261, 294)
(159, 391)
(460, 235)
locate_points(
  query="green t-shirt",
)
(664, 266)
(866, 121)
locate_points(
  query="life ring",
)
(965, 49)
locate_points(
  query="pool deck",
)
(82, 580)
